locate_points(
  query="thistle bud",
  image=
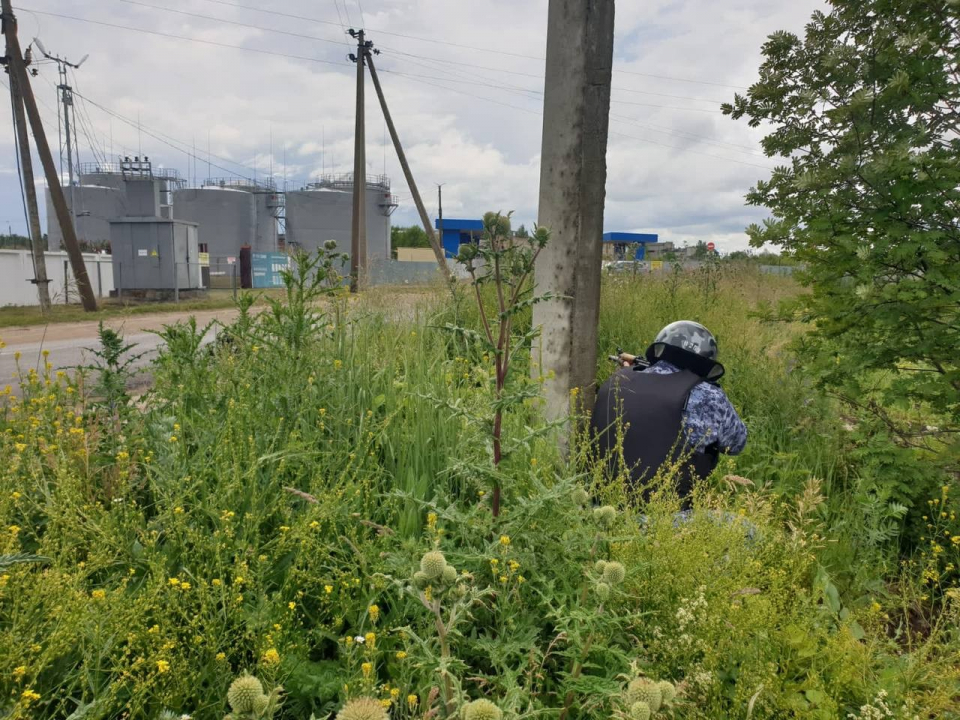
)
(243, 692)
(432, 564)
(645, 690)
(605, 515)
(580, 497)
(667, 691)
(640, 711)
(482, 710)
(614, 573)
(600, 565)
(603, 591)
(449, 574)
(363, 708)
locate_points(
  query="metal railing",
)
(239, 183)
(344, 181)
(132, 169)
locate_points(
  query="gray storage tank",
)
(96, 207)
(101, 196)
(231, 213)
(323, 211)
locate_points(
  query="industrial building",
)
(100, 196)
(323, 211)
(231, 213)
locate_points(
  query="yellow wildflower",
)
(162, 666)
(412, 701)
(14, 529)
(505, 540)
(221, 656)
(367, 668)
(28, 696)
(185, 585)
(216, 582)
(292, 605)
(174, 581)
(374, 612)
(401, 655)
(386, 703)
(371, 638)
(271, 657)
(19, 672)
(328, 589)
(98, 594)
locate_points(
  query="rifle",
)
(637, 361)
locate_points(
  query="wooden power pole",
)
(573, 173)
(18, 73)
(30, 190)
(358, 236)
(411, 183)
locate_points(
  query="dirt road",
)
(69, 343)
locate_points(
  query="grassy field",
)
(310, 503)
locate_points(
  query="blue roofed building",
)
(457, 232)
(617, 245)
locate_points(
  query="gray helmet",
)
(690, 336)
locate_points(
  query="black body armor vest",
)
(650, 406)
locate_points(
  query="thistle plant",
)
(248, 701)
(362, 708)
(506, 263)
(481, 710)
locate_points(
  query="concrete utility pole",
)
(573, 174)
(358, 236)
(30, 190)
(411, 183)
(440, 209)
(19, 73)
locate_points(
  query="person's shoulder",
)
(710, 392)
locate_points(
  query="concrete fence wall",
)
(16, 272)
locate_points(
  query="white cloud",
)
(676, 174)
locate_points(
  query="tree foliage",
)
(865, 109)
(409, 237)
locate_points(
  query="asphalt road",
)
(70, 344)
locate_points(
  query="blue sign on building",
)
(266, 269)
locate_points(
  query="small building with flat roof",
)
(457, 232)
(616, 245)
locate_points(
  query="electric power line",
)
(231, 22)
(421, 79)
(188, 39)
(612, 132)
(169, 141)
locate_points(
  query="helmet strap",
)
(709, 370)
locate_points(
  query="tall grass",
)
(267, 494)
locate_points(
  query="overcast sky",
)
(464, 83)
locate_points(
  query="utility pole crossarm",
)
(19, 74)
(411, 183)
